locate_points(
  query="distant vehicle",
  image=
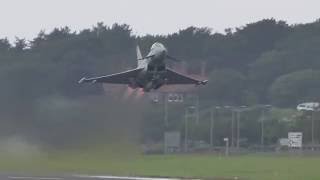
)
(308, 106)
(151, 73)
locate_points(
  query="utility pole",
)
(186, 123)
(262, 128)
(197, 109)
(312, 129)
(232, 127)
(166, 109)
(213, 110)
(238, 129)
(263, 118)
(186, 130)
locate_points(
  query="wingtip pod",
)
(204, 82)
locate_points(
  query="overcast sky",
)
(25, 18)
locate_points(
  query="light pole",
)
(238, 129)
(186, 126)
(186, 131)
(239, 110)
(263, 118)
(213, 112)
(211, 126)
(232, 127)
(312, 129)
(262, 128)
(166, 109)
(232, 109)
(197, 109)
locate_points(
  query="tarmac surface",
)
(78, 177)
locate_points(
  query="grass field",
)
(254, 167)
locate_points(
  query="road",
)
(76, 177)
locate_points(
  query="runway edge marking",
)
(128, 178)
(34, 178)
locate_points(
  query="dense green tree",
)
(226, 86)
(297, 87)
(4, 45)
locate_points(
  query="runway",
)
(81, 177)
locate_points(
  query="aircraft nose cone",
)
(165, 51)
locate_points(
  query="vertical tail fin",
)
(139, 57)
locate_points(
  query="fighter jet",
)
(151, 72)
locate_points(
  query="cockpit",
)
(157, 45)
(158, 52)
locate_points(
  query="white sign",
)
(295, 139)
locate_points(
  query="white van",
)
(308, 106)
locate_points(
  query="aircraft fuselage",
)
(153, 74)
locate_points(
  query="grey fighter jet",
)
(151, 72)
